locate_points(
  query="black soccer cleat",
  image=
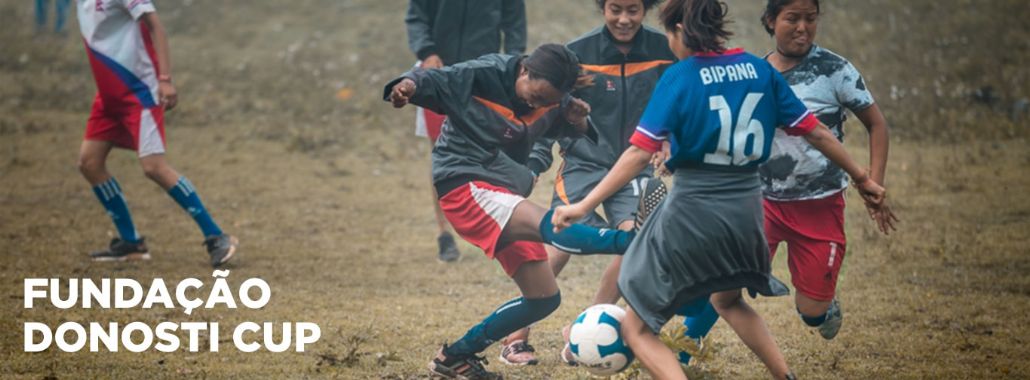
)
(464, 368)
(221, 248)
(121, 250)
(654, 191)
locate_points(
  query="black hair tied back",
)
(704, 23)
(554, 63)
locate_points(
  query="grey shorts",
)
(707, 236)
(573, 185)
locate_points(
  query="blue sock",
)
(508, 318)
(585, 240)
(186, 196)
(110, 195)
(701, 316)
(813, 321)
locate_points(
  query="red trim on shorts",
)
(120, 124)
(476, 226)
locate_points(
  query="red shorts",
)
(814, 232)
(129, 126)
(428, 123)
(478, 211)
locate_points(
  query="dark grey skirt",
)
(707, 236)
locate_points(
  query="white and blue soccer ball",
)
(596, 343)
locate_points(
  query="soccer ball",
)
(596, 343)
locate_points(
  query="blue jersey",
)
(719, 111)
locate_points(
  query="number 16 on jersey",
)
(738, 145)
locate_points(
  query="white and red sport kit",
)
(126, 110)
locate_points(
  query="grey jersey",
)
(488, 134)
(828, 85)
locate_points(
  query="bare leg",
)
(649, 349)
(93, 161)
(557, 259)
(535, 280)
(608, 291)
(751, 329)
(524, 224)
(157, 169)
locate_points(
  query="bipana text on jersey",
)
(728, 73)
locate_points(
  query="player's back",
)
(725, 110)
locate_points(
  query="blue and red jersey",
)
(719, 111)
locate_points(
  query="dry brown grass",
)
(330, 201)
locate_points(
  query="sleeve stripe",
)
(800, 118)
(804, 127)
(645, 142)
(640, 129)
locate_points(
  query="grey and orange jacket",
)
(460, 30)
(488, 134)
(623, 84)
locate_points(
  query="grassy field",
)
(281, 128)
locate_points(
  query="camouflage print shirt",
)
(828, 85)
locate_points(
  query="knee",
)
(152, 170)
(725, 300)
(89, 166)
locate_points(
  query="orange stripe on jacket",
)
(631, 68)
(510, 116)
(559, 184)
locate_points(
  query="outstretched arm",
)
(166, 91)
(879, 145)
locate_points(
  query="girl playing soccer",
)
(625, 59)
(496, 107)
(719, 109)
(803, 190)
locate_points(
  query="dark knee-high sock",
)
(585, 240)
(511, 316)
(186, 196)
(110, 195)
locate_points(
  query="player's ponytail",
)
(704, 23)
(554, 63)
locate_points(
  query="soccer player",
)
(445, 32)
(497, 106)
(803, 190)
(719, 109)
(128, 52)
(625, 59)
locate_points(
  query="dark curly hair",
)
(648, 4)
(773, 9)
(704, 23)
